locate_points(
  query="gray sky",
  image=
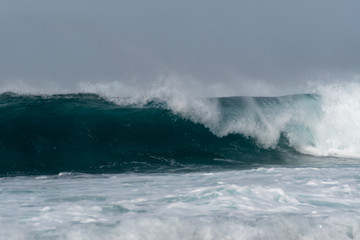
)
(244, 47)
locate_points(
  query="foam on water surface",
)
(265, 203)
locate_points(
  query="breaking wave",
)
(86, 132)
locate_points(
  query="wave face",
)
(46, 134)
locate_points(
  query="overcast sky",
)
(238, 45)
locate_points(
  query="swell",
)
(87, 133)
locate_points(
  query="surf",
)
(92, 133)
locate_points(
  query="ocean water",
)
(91, 166)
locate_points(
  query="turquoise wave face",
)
(86, 133)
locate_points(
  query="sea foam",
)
(265, 203)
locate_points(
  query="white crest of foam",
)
(327, 125)
(199, 110)
(338, 131)
(261, 124)
(112, 89)
(184, 98)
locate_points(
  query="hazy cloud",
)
(279, 44)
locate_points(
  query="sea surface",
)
(89, 166)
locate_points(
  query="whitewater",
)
(165, 165)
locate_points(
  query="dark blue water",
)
(87, 133)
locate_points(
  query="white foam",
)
(273, 203)
(185, 99)
(337, 133)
